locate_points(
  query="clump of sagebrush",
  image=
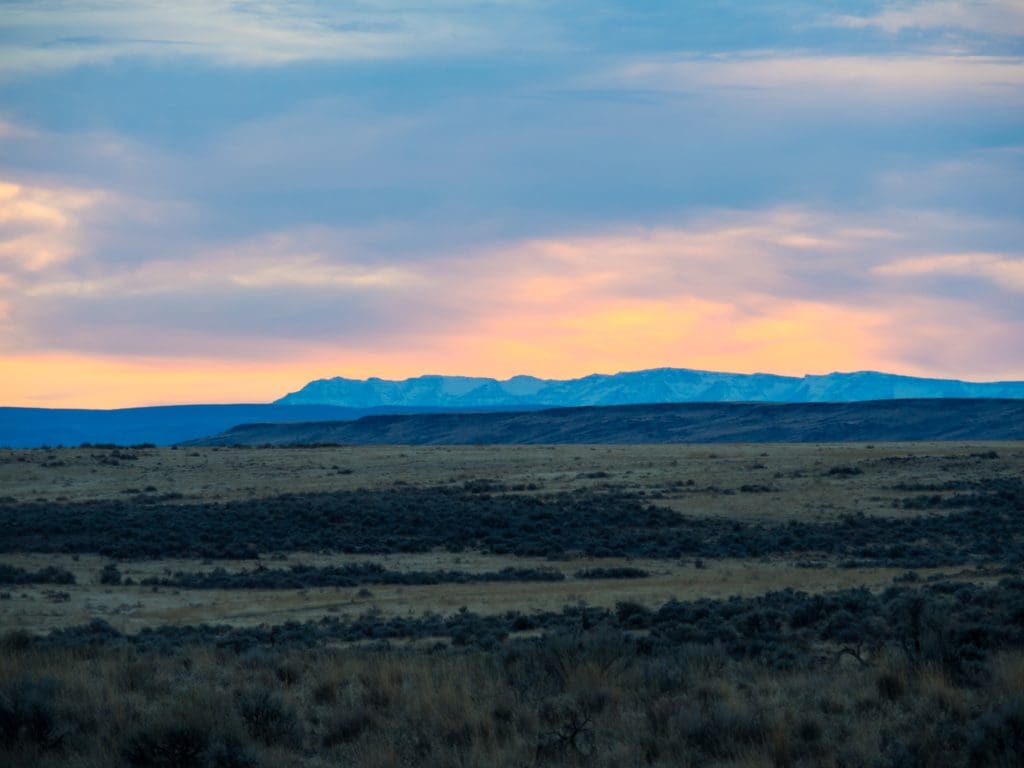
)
(269, 719)
(619, 572)
(110, 575)
(29, 719)
(983, 526)
(10, 574)
(302, 576)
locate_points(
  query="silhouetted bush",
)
(269, 719)
(110, 575)
(185, 745)
(621, 572)
(351, 575)
(10, 574)
(845, 471)
(348, 726)
(28, 714)
(997, 737)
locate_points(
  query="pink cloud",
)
(1003, 270)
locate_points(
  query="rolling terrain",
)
(883, 420)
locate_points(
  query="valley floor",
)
(741, 605)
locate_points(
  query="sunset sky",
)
(207, 201)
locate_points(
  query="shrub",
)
(996, 739)
(168, 746)
(28, 714)
(845, 471)
(110, 575)
(185, 745)
(10, 574)
(325, 692)
(268, 719)
(612, 573)
(890, 686)
(346, 727)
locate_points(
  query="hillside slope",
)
(882, 420)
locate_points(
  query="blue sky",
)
(217, 201)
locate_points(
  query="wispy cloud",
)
(283, 261)
(990, 17)
(1003, 270)
(802, 76)
(57, 34)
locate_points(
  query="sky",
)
(209, 201)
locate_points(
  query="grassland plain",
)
(743, 605)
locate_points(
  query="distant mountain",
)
(161, 425)
(873, 421)
(659, 385)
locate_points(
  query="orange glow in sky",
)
(253, 320)
(606, 338)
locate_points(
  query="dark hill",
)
(161, 425)
(881, 420)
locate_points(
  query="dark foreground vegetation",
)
(981, 524)
(914, 677)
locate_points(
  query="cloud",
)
(279, 261)
(1002, 270)
(830, 77)
(44, 35)
(38, 225)
(786, 289)
(1001, 18)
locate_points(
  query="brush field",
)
(732, 605)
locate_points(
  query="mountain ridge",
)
(649, 386)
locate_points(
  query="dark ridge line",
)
(690, 422)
